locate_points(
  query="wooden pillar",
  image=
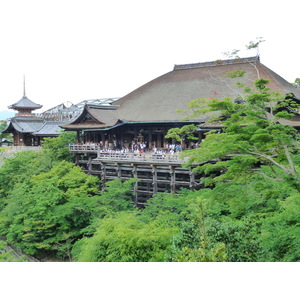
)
(89, 164)
(21, 140)
(16, 138)
(158, 139)
(172, 181)
(103, 172)
(192, 179)
(77, 159)
(119, 170)
(78, 136)
(135, 188)
(122, 139)
(164, 140)
(154, 180)
(102, 139)
(150, 139)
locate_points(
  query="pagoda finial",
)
(24, 94)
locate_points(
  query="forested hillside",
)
(249, 210)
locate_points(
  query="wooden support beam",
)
(103, 170)
(172, 181)
(119, 170)
(192, 179)
(77, 156)
(152, 176)
(89, 164)
(154, 180)
(135, 188)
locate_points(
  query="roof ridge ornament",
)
(25, 106)
(24, 93)
(217, 63)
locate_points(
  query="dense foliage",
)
(58, 148)
(248, 211)
(54, 210)
(252, 135)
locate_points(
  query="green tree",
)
(180, 134)
(252, 135)
(209, 232)
(297, 81)
(58, 148)
(248, 213)
(117, 196)
(125, 238)
(20, 168)
(46, 214)
(280, 234)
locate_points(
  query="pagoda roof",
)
(25, 103)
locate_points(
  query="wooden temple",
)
(127, 138)
(27, 128)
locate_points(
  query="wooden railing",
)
(115, 155)
(83, 148)
(137, 157)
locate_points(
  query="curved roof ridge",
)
(24, 102)
(216, 63)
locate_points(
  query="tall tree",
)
(58, 148)
(46, 213)
(253, 134)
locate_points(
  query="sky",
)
(70, 51)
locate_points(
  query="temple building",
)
(26, 127)
(146, 114)
(29, 128)
(108, 136)
(123, 138)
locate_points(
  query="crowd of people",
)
(171, 149)
(135, 148)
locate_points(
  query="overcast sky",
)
(78, 50)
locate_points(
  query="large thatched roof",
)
(158, 100)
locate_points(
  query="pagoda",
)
(27, 128)
(25, 106)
